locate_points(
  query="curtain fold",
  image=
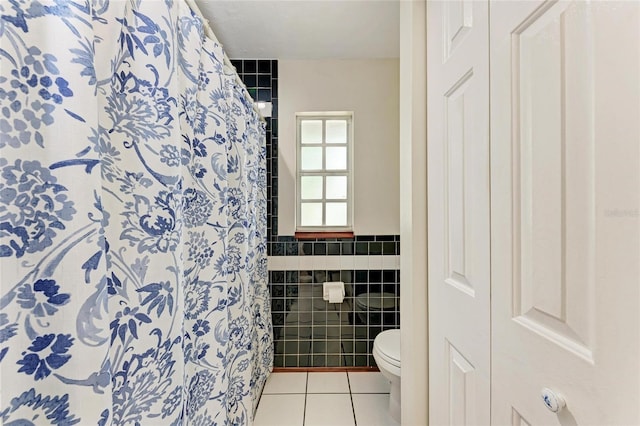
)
(132, 220)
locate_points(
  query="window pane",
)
(337, 158)
(311, 131)
(337, 187)
(311, 214)
(311, 187)
(336, 131)
(311, 158)
(336, 214)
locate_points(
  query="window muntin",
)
(324, 176)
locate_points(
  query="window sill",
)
(322, 235)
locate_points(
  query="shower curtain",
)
(132, 220)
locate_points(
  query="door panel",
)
(565, 152)
(553, 150)
(517, 419)
(458, 212)
(462, 388)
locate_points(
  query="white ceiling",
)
(305, 29)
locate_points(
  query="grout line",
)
(306, 388)
(353, 409)
(370, 393)
(327, 393)
(289, 393)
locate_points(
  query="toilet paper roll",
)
(335, 295)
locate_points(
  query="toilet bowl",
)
(386, 352)
(376, 308)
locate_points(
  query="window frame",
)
(324, 117)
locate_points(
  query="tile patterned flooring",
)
(325, 399)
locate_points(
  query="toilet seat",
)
(387, 347)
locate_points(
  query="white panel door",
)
(565, 211)
(458, 212)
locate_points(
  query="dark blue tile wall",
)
(308, 331)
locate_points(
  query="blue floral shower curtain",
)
(132, 220)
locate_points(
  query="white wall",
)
(369, 88)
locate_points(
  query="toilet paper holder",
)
(333, 292)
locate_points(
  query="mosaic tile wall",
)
(308, 331)
(261, 78)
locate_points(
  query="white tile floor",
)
(325, 399)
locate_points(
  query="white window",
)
(324, 181)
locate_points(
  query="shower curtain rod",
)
(209, 33)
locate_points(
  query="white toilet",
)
(386, 352)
